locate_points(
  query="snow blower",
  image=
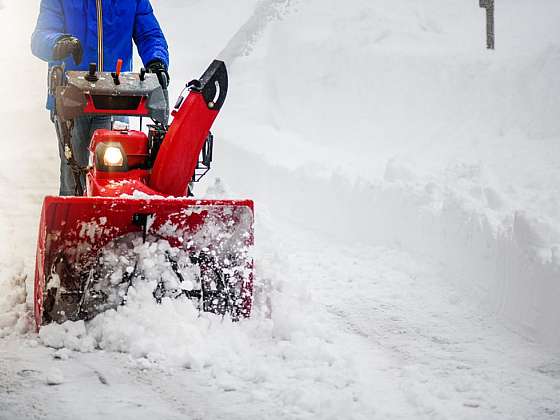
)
(137, 193)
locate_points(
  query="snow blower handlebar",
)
(101, 93)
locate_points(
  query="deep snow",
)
(426, 139)
(407, 186)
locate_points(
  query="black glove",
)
(160, 70)
(68, 45)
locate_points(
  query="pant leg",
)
(67, 182)
(66, 177)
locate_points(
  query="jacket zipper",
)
(99, 6)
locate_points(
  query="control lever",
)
(92, 74)
(117, 74)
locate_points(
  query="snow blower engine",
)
(135, 220)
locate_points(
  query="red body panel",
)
(118, 184)
(178, 155)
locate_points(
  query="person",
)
(76, 33)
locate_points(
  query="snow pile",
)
(69, 336)
(285, 355)
(293, 358)
(14, 316)
(130, 261)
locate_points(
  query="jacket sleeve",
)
(49, 28)
(148, 36)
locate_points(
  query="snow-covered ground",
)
(407, 185)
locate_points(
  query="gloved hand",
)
(68, 45)
(160, 70)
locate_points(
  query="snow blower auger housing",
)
(91, 247)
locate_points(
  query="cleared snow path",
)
(449, 359)
(358, 333)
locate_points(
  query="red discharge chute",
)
(178, 154)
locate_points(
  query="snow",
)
(442, 147)
(407, 197)
(13, 306)
(69, 336)
(55, 377)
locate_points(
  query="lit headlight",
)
(113, 157)
(110, 157)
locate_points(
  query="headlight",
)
(113, 157)
(110, 157)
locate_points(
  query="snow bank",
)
(391, 124)
(504, 263)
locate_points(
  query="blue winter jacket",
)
(122, 21)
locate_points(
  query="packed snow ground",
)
(407, 187)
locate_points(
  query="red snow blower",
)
(93, 247)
